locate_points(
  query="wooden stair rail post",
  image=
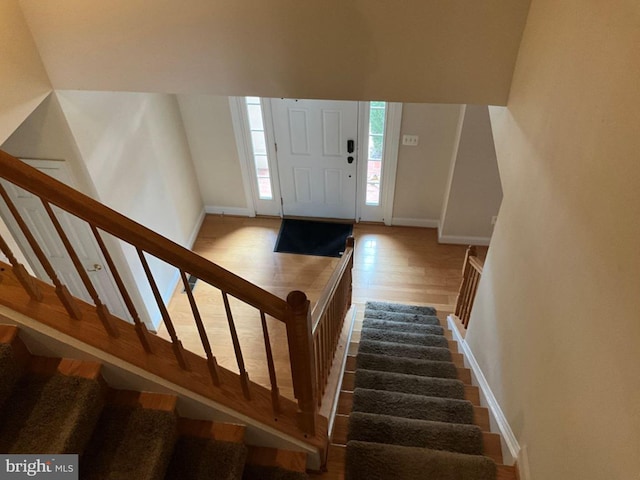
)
(466, 270)
(302, 358)
(21, 273)
(62, 292)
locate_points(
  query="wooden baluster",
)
(212, 363)
(21, 274)
(178, 349)
(471, 250)
(303, 368)
(101, 308)
(275, 393)
(62, 292)
(244, 376)
(140, 327)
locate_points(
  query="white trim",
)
(235, 211)
(196, 229)
(463, 240)
(414, 222)
(390, 164)
(488, 399)
(236, 105)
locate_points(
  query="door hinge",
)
(281, 202)
(276, 145)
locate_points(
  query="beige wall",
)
(23, 80)
(556, 327)
(136, 152)
(458, 51)
(209, 128)
(473, 194)
(423, 170)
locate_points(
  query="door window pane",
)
(377, 117)
(259, 148)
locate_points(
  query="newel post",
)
(302, 358)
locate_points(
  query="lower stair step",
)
(206, 459)
(50, 414)
(451, 437)
(413, 406)
(411, 366)
(376, 461)
(399, 308)
(408, 327)
(381, 347)
(403, 317)
(414, 384)
(273, 464)
(130, 442)
(421, 339)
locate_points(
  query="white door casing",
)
(316, 177)
(78, 232)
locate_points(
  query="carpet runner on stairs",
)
(410, 419)
(59, 406)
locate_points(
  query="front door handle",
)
(349, 160)
(350, 146)
(96, 268)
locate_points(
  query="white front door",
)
(79, 233)
(317, 156)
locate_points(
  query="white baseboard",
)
(235, 211)
(415, 222)
(511, 450)
(462, 240)
(196, 229)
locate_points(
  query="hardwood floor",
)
(398, 264)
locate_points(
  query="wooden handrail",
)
(312, 336)
(110, 221)
(471, 273)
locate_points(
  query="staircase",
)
(61, 406)
(407, 408)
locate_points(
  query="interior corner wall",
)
(23, 80)
(474, 193)
(555, 325)
(423, 169)
(209, 129)
(135, 150)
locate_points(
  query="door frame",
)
(34, 265)
(256, 206)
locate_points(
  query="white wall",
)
(45, 134)
(209, 128)
(555, 327)
(136, 152)
(458, 51)
(474, 192)
(23, 80)
(423, 170)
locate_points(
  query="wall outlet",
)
(494, 219)
(411, 140)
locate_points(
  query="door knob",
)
(96, 268)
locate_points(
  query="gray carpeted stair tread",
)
(451, 437)
(260, 472)
(402, 317)
(395, 349)
(414, 384)
(130, 442)
(50, 414)
(407, 405)
(10, 371)
(375, 461)
(411, 366)
(400, 308)
(420, 339)
(206, 459)
(408, 327)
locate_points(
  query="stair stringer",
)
(44, 340)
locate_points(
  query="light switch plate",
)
(411, 140)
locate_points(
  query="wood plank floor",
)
(399, 264)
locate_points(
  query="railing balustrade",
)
(312, 336)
